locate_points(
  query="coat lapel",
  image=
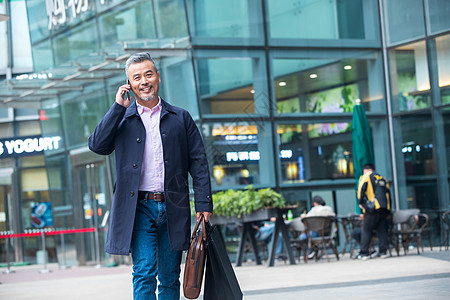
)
(131, 110)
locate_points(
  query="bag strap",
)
(203, 228)
(200, 221)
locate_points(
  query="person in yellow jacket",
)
(375, 202)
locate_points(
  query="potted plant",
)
(244, 204)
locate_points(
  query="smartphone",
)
(127, 94)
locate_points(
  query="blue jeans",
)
(266, 234)
(152, 255)
(303, 236)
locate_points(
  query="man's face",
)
(144, 80)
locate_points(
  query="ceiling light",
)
(313, 75)
(252, 91)
(347, 67)
(282, 83)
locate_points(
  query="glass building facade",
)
(271, 85)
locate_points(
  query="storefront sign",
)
(57, 10)
(25, 146)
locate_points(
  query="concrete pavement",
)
(424, 276)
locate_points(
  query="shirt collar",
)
(141, 109)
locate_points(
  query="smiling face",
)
(144, 81)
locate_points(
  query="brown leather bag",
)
(195, 261)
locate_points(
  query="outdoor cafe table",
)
(249, 232)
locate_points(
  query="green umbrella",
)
(362, 145)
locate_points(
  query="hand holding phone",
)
(123, 96)
(127, 94)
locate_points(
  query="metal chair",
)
(408, 226)
(349, 224)
(297, 227)
(445, 218)
(326, 228)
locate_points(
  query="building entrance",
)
(92, 201)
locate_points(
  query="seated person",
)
(266, 229)
(319, 209)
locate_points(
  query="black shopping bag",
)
(220, 280)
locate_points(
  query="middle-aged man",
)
(375, 202)
(156, 145)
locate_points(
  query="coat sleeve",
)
(198, 167)
(101, 140)
(362, 187)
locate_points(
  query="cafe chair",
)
(326, 229)
(349, 224)
(408, 227)
(297, 227)
(445, 218)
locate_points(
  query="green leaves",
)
(238, 202)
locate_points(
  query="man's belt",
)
(156, 196)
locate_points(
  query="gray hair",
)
(138, 58)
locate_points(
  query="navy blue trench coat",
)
(121, 130)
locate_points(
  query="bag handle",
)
(200, 221)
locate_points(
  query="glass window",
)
(42, 56)
(51, 119)
(58, 182)
(170, 18)
(131, 22)
(232, 86)
(327, 85)
(5, 192)
(6, 130)
(76, 43)
(416, 165)
(437, 17)
(417, 145)
(34, 191)
(32, 161)
(315, 151)
(446, 120)
(239, 154)
(410, 83)
(26, 113)
(6, 114)
(443, 66)
(323, 19)
(46, 17)
(404, 20)
(178, 84)
(226, 21)
(37, 20)
(7, 163)
(21, 47)
(82, 111)
(103, 5)
(34, 179)
(27, 128)
(297, 197)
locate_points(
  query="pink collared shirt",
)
(152, 171)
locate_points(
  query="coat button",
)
(138, 140)
(132, 193)
(135, 166)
